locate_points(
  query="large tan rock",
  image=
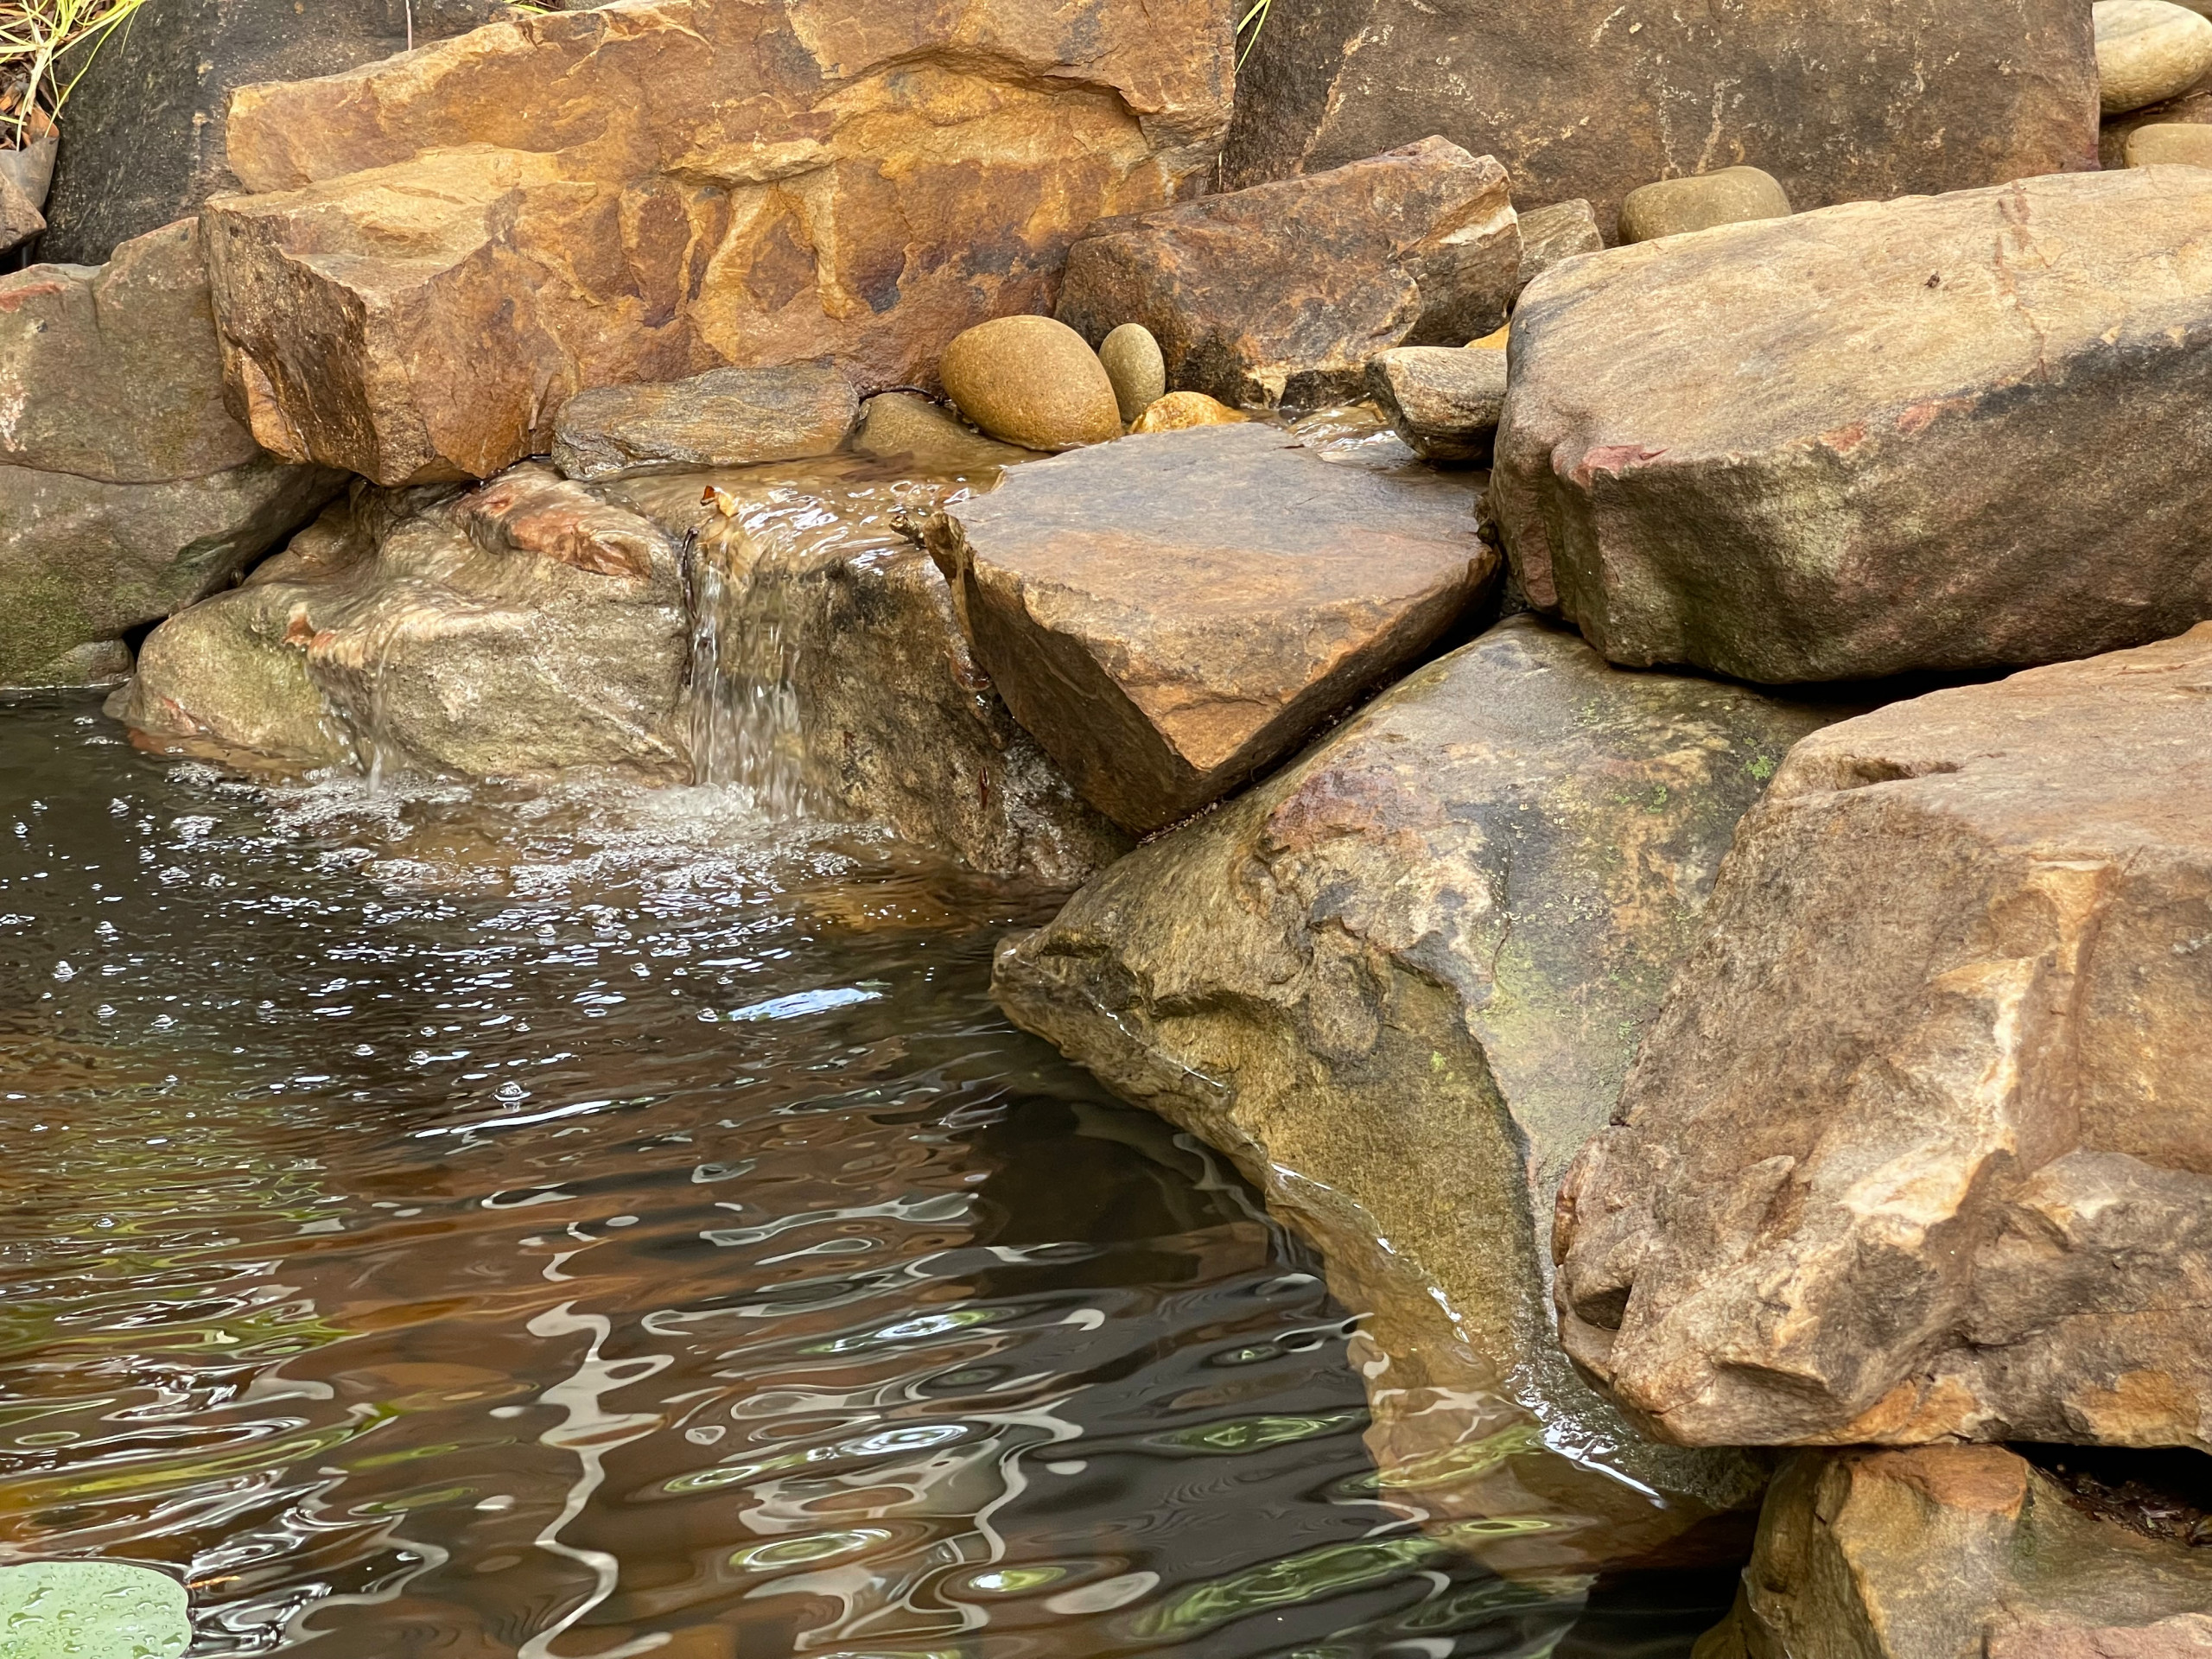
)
(127, 490)
(1957, 1552)
(1921, 1145)
(1400, 983)
(1857, 441)
(1032, 381)
(2148, 51)
(1842, 102)
(448, 246)
(1152, 612)
(1281, 293)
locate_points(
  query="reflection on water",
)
(580, 1225)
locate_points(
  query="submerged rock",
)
(1704, 460)
(2148, 51)
(127, 491)
(444, 248)
(1920, 1146)
(725, 418)
(1592, 97)
(1032, 381)
(1154, 616)
(1955, 1552)
(1279, 295)
(1400, 983)
(1734, 195)
(1443, 401)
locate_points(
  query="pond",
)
(596, 1222)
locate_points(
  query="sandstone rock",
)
(1281, 293)
(2148, 51)
(1731, 196)
(1493, 342)
(1558, 232)
(1703, 459)
(1921, 1145)
(1134, 366)
(1444, 402)
(725, 418)
(20, 219)
(448, 246)
(146, 121)
(1033, 382)
(2191, 108)
(904, 424)
(1592, 97)
(2169, 143)
(1180, 410)
(1154, 617)
(1955, 1552)
(126, 489)
(1400, 981)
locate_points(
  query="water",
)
(590, 1224)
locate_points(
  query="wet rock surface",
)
(1703, 460)
(127, 491)
(1400, 983)
(1033, 382)
(1281, 293)
(725, 418)
(1166, 630)
(1955, 1552)
(1592, 99)
(1443, 401)
(446, 246)
(1919, 1146)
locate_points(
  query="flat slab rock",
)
(1170, 614)
(1882, 437)
(1921, 1145)
(1399, 982)
(725, 418)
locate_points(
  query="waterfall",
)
(741, 714)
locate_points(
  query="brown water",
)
(588, 1225)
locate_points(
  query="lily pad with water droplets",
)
(91, 1609)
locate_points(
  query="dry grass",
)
(34, 36)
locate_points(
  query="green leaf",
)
(91, 1609)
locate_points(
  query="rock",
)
(1399, 982)
(146, 121)
(2148, 51)
(1033, 382)
(99, 662)
(1956, 1552)
(1444, 402)
(1134, 366)
(1280, 295)
(126, 489)
(1494, 342)
(1731, 196)
(1702, 462)
(20, 219)
(1165, 630)
(1180, 410)
(1919, 1146)
(2171, 143)
(1558, 232)
(447, 246)
(2192, 108)
(904, 424)
(725, 418)
(1590, 98)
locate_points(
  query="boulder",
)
(146, 120)
(1279, 295)
(904, 425)
(1734, 195)
(444, 248)
(1167, 630)
(1704, 459)
(2192, 108)
(1400, 983)
(1033, 382)
(1921, 1145)
(725, 418)
(127, 490)
(1137, 368)
(2169, 143)
(1558, 232)
(2148, 51)
(1443, 401)
(1180, 409)
(1590, 98)
(1956, 1552)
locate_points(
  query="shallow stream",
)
(592, 1224)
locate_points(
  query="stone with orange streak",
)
(1920, 1147)
(437, 251)
(1851, 444)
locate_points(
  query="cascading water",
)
(741, 714)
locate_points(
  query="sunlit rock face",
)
(441, 248)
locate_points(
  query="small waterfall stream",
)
(741, 712)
